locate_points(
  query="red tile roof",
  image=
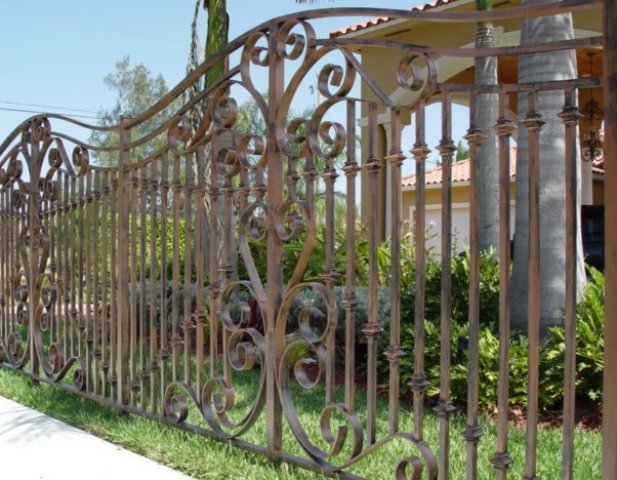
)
(373, 22)
(460, 172)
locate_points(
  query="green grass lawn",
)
(203, 458)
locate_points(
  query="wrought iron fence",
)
(203, 274)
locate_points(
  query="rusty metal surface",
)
(159, 284)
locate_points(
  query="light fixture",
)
(592, 143)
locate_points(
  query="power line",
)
(22, 110)
(7, 102)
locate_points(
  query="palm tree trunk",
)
(487, 157)
(535, 68)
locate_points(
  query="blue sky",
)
(55, 53)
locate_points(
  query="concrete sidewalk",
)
(34, 446)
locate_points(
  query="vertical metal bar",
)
(143, 252)
(104, 284)
(372, 329)
(351, 169)
(501, 459)
(74, 245)
(330, 275)
(113, 283)
(609, 413)
(226, 269)
(175, 282)
(81, 264)
(134, 293)
(187, 325)
(444, 407)
(472, 431)
(274, 345)
(533, 124)
(66, 299)
(200, 256)
(123, 261)
(153, 365)
(569, 116)
(87, 317)
(214, 289)
(32, 224)
(4, 221)
(164, 351)
(419, 383)
(394, 352)
(96, 193)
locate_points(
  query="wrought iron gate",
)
(200, 273)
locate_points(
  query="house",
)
(380, 63)
(460, 200)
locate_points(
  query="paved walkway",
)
(34, 446)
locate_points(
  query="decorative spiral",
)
(215, 405)
(224, 108)
(342, 79)
(49, 291)
(175, 407)
(418, 73)
(18, 200)
(39, 129)
(296, 136)
(241, 316)
(249, 146)
(333, 136)
(23, 317)
(15, 168)
(14, 346)
(416, 469)
(316, 356)
(257, 55)
(291, 45)
(55, 158)
(337, 441)
(227, 161)
(253, 222)
(290, 219)
(44, 321)
(80, 376)
(55, 357)
(50, 189)
(81, 159)
(310, 316)
(243, 354)
(179, 132)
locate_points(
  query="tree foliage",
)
(137, 90)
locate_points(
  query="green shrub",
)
(589, 340)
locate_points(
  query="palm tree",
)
(487, 156)
(535, 68)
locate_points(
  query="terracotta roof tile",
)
(460, 173)
(373, 22)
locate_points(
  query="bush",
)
(589, 340)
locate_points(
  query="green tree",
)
(137, 90)
(462, 150)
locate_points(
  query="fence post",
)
(609, 427)
(34, 232)
(275, 254)
(122, 261)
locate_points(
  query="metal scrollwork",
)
(418, 73)
(241, 317)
